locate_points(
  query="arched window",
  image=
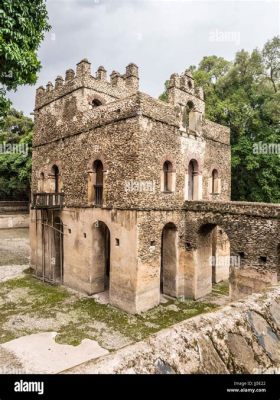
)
(96, 103)
(55, 174)
(41, 182)
(189, 108)
(193, 180)
(167, 176)
(98, 185)
(215, 188)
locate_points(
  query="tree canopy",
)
(22, 28)
(15, 156)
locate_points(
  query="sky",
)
(160, 36)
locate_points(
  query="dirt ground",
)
(14, 246)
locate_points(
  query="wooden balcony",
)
(52, 201)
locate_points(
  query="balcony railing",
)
(98, 195)
(47, 200)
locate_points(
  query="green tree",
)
(271, 56)
(244, 95)
(22, 28)
(163, 96)
(15, 156)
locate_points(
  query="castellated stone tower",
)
(111, 167)
(127, 190)
(87, 87)
(188, 99)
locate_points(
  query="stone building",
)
(132, 194)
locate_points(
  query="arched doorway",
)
(58, 250)
(168, 270)
(52, 248)
(213, 257)
(193, 180)
(101, 253)
(220, 255)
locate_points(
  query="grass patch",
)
(75, 318)
(135, 327)
(221, 288)
(45, 295)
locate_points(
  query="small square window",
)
(153, 243)
(69, 230)
(117, 242)
(85, 235)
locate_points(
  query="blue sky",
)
(161, 37)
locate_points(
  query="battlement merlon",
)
(182, 91)
(119, 86)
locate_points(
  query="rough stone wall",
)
(243, 337)
(253, 228)
(59, 120)
(218, 133)
(253, 231)
(14, 214)
(133, 148)
(115, 144)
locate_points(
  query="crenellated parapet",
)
(101, 73)
(117, 87)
